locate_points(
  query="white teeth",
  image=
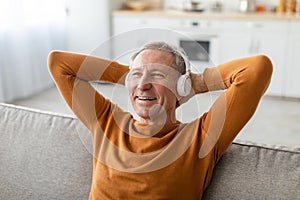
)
(146, 98)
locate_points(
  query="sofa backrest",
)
(44, 156)
(252, 171)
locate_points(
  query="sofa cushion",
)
(42, 156)
(252, 171)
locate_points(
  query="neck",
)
(159, 121)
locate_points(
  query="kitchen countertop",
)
(208, 15)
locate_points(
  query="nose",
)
(144, 83)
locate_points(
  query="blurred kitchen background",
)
(211, 31)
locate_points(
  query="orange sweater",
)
(176, 161)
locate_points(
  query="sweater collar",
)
(154, 130)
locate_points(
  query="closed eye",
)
(136, 74)
(158, 75)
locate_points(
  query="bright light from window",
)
(37, 11)
(31, 12)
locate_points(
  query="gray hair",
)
(179, 54)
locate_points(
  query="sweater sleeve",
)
(245, 81)
(72, 74)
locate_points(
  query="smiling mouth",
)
(146, 98)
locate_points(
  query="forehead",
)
(153, 57)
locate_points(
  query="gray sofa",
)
(43, 156)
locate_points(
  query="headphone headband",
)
(186, 61)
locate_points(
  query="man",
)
(158, 157)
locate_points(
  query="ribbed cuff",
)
(213, 79)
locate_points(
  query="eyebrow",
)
(155, 67)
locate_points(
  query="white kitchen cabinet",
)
(293, 65)
(242, 38)
(235, 41)
(127, 23)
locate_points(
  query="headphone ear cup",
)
(184, 85)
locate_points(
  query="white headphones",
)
(184, 83)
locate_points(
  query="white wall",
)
(88, 24)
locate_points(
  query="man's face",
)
(152, 86)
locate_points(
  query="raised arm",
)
(72, 74)
(245, 81)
